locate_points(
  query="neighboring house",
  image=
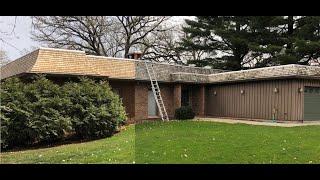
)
(281, 93)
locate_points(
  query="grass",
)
(187, 142)
(117, 149)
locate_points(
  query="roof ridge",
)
(58, 49)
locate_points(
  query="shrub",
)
(32, 113)
(15, 114)
(49, 117)
(4, 126)
(44, 112)
(184, 112)
(95, 110)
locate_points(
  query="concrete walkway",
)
(264, 123)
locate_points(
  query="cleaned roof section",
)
(68, 62)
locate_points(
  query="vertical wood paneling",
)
(299, 102)
(257, 112)
(232, 110)
(294, 100)
(264, 107)
(278, 100)
(260, 97)
(289, 101)
(281, 85)
(242, 101)
(258, 100)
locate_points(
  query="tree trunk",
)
(237, 53)
(290, 32)
(126, 51)
(127, 47)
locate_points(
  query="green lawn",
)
(187, 142)
(117, 149)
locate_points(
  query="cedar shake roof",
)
(71, 62)
(275, 72)
(68, 62)
(285, 71)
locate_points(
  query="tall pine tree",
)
(256, 40)
(303, 37)
(222, 34)
(299, 40)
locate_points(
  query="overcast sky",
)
(17, 40)
(16, 43)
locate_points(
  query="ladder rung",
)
(156, 91)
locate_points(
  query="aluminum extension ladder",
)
(156, 91)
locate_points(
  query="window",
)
(152, 106)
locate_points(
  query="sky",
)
(16, 40)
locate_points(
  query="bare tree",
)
(8, 34)
(165, 46)
(136, 29)
(3, 58)
(162, 47)
(99, 35)
(90, 33)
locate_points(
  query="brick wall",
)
(141, 101)
(167, 96)
(176, 96)
(126, 92)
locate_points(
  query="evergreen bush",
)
(184, 112)
(41, 111)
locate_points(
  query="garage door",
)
(312, 103)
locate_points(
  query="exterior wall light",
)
(300, 90)
(215, 93)
(242, 91)
(276, 90)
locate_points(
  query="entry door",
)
(152, 105)
(312, 103)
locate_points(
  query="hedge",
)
(44, 112)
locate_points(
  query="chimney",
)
(135, 55)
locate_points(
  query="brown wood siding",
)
(259, 99)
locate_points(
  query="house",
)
(280, 93)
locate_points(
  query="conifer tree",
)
(234, 43)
